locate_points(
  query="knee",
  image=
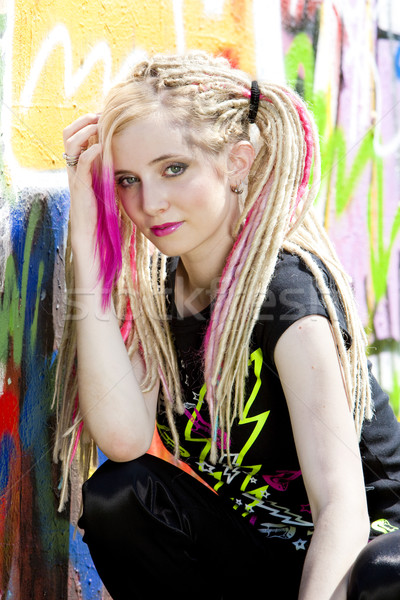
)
(113, 478)
(119, 493)
(376, 572)
(109, 496)
(135, 497)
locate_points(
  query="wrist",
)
(86, 266)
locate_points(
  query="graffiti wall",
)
(57, 61)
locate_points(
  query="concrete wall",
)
(57, 60)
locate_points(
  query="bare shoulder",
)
(309, 342)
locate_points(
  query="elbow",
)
(359, 512)
(352, 519)
(123, 448)
(366, 525)
(361, 525)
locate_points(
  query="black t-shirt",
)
(264, 482)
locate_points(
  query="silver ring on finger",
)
(71, 161)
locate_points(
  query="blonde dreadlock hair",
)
(208, 101)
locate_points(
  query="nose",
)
(154, 198)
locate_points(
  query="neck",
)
(197, 280)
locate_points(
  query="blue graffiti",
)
(7, 454)
(397, 62)
(82, 565)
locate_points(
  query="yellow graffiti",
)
(225, 30)
(65, 57)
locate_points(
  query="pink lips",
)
(165, 228)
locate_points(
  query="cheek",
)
(128, 205)
(220, 203)
(210, 195)
(124, 204)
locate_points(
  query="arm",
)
(118, 416)
(327, 446)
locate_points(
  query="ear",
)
(241, 157)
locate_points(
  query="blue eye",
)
(175, 169)
(127, 181)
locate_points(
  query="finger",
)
(88, 156)
(79, 141)
(82, 170)
(81, 122)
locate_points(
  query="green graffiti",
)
(341, 179)
(346, 182)
(380, 253)
(334, 150)
(13, 302)
(394, 393)
(34, 324)
(301, 56)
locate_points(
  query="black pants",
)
(153, 529)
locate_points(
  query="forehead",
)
(150, 136)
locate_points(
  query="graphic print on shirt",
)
(258, 496)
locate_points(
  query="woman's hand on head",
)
(83, 208)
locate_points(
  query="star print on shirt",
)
(300, 544)
(206, 467)
(190, 406)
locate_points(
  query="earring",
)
(237, 189)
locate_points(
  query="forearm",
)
(115, 412)
(329, 456)
(338, 538)
(113, 406)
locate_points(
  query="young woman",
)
(212, 304)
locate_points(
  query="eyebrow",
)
(152, 162)
(161, 158)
